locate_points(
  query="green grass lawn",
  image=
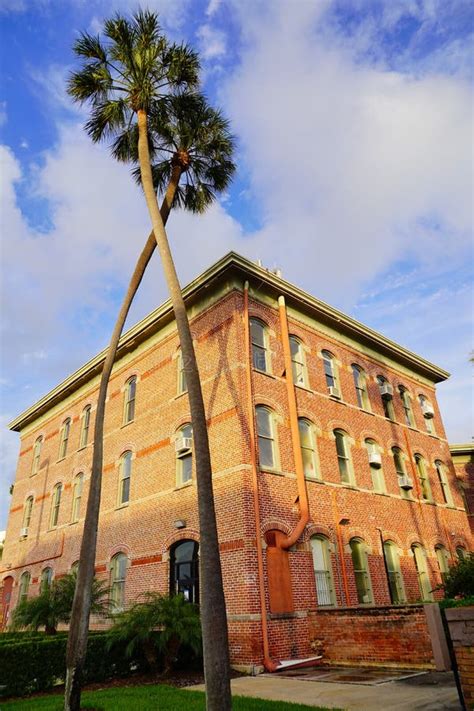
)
(148, 698)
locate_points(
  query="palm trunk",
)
(79, 624)
(213, 610)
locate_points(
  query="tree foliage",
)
(459, 581)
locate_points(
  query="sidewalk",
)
(417, 694)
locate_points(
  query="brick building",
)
(463, 461)
(333, 480)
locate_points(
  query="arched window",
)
(360, 565)
(443, 561)
(419, 556)
(360, 384)
(184, 454)
(395, 579)
(386, 394)
(65, 430)
(76, 496)
(330, 373)
(428, 413)
(36, 456)
(85, 425)
(343, 456)
(27, 516)
(461, 553)
(24, 586)
(308, 448)
(46, 579)
(406, 402)
(423, 478)
(404, 481)
(182, 385)
(125, 472)
(259, 339)
(129, 400)
(266, 437)
(375, 464)
(323, 570)
(298, 362)
(443, 481)
(184, 570)
(117, 581)
(55, 504)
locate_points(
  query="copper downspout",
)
(268, 663)
(290, 540)
(340, 547)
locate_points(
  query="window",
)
(55, 504)
(266, 437)
(461, 553)
(46, 580)
(129, 402)
(125, 471)
(343, 458)
(399, 463)
(424, 584)
(182, 385)
(36, 456)
(375, 464)
(259, 339)
(27, 516)
(65, 430)
(24, 586)
(323, 570)
(85, 424)
(308, 448)
(443, 561)
(76, 496)
(423, 478)
(184, 454)
(184, 570)
(395, 579)
(360, 384)
(360, 564)
(330, 371)
(298, 362)
(406, 402)
(443, 480)
(427, 411)
(386, 395)
(117, 582)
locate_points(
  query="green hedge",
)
(461, 602)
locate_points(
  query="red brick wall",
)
(461, 629)
(384, 636)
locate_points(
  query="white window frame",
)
(55, 505)
(125, 475)
(65, 434)
(344, 456)
(35, 465)
(85, 425)
(312, 448)
(77, 489)
(441, 471)
(360, 386)
(298, 362)
(378, 478)
(182, 458)
(129, 402)
(260, 350)
(362, 573)
(323, 577)
(269, 438)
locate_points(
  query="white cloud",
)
(3, 113)
(212, 42)
(213, 7)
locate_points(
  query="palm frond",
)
(106, 119)
(90, 47)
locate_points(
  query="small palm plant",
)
(176, 621)
(130, 82)
(54, 605)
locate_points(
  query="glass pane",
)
(184, 551)
(187, 431)
(317, 549)
(308, 462)
(305, 433)
(186, 468)
(295, 348)
(357, 556)
(264, 422)
(259, 358)
(340, 444)
(265, 448)
(257, 332)
(125, 490)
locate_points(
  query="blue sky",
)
(353, 121)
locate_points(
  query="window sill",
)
(180, 395)
(126, 424)
(61, 459)
(277, 472)
(314, 479)
(264, 372)
(184, 485)
(367, 412)
(304, 387)
(122, 506)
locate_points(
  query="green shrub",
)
(461, 602)
(459, 580)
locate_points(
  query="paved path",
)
(392, 696)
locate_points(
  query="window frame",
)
(345, 456)
(272, 438)
(118, 581)
(65, 434)
(185, 459)
(37, 447)
(260, 350)
(46, 580)
(182, 384)
(405, 398)
(377, 474)
(363, 573)
(441, 471)
(387, 405)
(27, 512)
(24, 585)
(129, 400)
(330, 370)
(429, 421)
(125, 478)
(360, 386)
(298, 361)
(77, 489)
(323, 577)
(85, 426)
(396, 584)
(423, 477)
(442, 557)
(55, 505)
(174, 574)
(422, 572)
(312, 449)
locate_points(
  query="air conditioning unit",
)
(405, 482)
(183, 444)
(386, 391)
(23, 532)
(375, 459)
(427, 410)
(334, 392)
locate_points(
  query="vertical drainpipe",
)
(269, 664)
(288, 541)
(340, 547)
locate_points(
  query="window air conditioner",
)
(427, 410)
(375, 460)
(405, 482)
(386, 391)
(334, 392)
(23, 532)
(183, 444)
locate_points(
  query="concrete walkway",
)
(416, 694)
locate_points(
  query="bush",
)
(459, 581)
(461, 602)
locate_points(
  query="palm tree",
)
(54, 605)
(176, 619)
(129, 84)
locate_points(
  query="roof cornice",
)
(275, 284)
(467, 448)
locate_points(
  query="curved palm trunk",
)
(79, 624)
(213, 611)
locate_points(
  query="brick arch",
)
(184, 419)
(86, 470)
(414, 539)
(364, 536)
(305, 414)
(126, 375)
(190, 534)
(339, 425)
(370, 434)
(459, 540)
(266, 401)
(119, 548)
(275, 525)
(122, 448)
(394, 538)
(396, 443)
(316, 529)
